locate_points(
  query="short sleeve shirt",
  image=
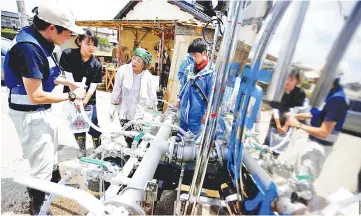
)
(71, 61)
(295, 98)
(28, 60)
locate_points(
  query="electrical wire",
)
(219, 23)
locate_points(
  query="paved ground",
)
(340, 169)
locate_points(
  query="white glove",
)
(112, 110)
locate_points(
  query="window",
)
(356, 106)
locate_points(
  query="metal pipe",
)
(46, 205)
(334, 57)
(85, 199)
(180, 182)
(276, 89)
(21, 9)
(114, 188)
(255, 169)
(158, 124)
(227, 51)
(147, 167)
(215, 37)
(258, 53)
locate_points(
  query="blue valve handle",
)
(139, 136)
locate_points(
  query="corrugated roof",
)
(125, 10)
(191, 9)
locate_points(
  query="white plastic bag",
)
(76, 121)
(276, 138)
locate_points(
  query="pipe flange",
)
(171, 149)
(131, 209)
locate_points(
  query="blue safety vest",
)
(318, 117)
(18, 98)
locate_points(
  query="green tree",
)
(8, 33)
(103, 42)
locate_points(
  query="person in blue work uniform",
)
(81, 63)
(181, 72)
(194, 95)
(31, 73)
(326, 125)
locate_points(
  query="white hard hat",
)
(317, 72)
(57, 14)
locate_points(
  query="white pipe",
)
(255, 169)
(284, 141)
(147, 167)
(134, 134)
(159, 124)
(45, 207)
(85, 199)
(82, 111)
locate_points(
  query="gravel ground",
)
(340, 169)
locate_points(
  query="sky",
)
(321, 26)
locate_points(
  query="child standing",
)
(194, 95)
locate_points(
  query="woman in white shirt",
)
(133, 89)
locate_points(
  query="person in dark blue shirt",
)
(31, 73)
(80, 63)
(326, 125)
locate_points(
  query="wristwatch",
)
(72, 96)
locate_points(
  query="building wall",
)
(127, 39)
(10, 22)
(179, 53)
(161, 10)
(247, 34)
(67, 44)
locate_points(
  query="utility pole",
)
(22, 12)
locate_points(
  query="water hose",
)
(285, 139)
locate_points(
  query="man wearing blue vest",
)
(31, 73)
(326, 124)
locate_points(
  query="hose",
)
(82, 111)
(285, 139)
(219, 23)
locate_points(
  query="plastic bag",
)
(76, 121)
(276, 138)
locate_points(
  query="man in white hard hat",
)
(31, 73)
